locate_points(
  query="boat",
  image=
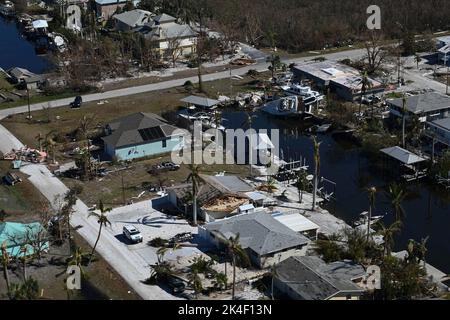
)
(291, 106)
(7, 9)
(301, 90)
(363, 219)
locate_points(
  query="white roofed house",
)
(172, 39)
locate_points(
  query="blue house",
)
(141, 135)
(22, 239)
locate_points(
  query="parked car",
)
(176, 285)
(12, 179)
(76, 103)
(163, 167)
(180, 238)
(132, 234)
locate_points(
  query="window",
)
(164, 143)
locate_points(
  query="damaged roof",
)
(426, 102)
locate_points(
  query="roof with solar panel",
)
(138, 128)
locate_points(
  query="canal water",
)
(16, 51)
(427, 209)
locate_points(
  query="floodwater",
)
(16, 51)
(427, 209)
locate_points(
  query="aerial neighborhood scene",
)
(224, 150)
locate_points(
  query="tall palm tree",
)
(404, 104)
(301, 184)
(5, 260)
(50, 145)
(78, 259)
(196, 179)
(248, 124)
(397, 194)
(236, 253)
(372, 191)
(85, 125)
(102, 219)
(275, 63)
(365, 85)
(316, 171)
(388, 234)
(417, 59)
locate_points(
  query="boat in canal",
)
(291, 106)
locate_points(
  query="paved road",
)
(130, 265)
(260, 66)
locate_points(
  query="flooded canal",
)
(427, 209)
(16, 51)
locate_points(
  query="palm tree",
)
(316, 170)
(372, 197)
(196, 180)
(404, 104)
(5, 260)
(220, 281)
(195, 282)
(301, 184)
(388, 234)
(270, 186)
(39, 139)
(417, 59)
(85, 125)
(275, 63)
(365, 85)
(236, 253)
(397, 194)
(248, 123)
(28, 290)
(50, 145)
(102, 219)
(78, 259)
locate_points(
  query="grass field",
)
(21, 201)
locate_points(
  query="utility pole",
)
(28, 99)
(446, 87)
(123, 190)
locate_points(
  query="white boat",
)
(363, 219)
(300, 90)
(284, 107)
(291, 106)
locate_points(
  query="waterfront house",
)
(23, 239)
(405, 164)
(439, 130)
(169, 36)
(105, 9)
(130, 20)
(218, 197)
(310, 278)
(298, 223)
(341, 79)
(24, 77)
(141, 135)
(266, 240)
(428, 106)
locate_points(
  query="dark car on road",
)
(76, 103)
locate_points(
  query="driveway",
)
(129, 264)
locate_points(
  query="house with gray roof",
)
(25, 77)
(439, 130)
(310, 278)
(105, 9)
(429, 106)
(129, 20)
(169, 36)
(266, 240)
(141, 135)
